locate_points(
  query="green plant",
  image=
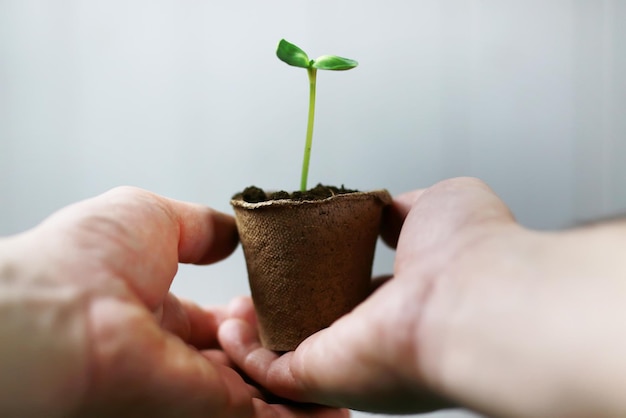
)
(293, 55)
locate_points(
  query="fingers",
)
(394, 215)
(339, 380)
(239, 338)
(242, 344)
(138, 370)
(193, 324)
(243, 308)
(203, 324)
(205, 235)
(218, 357)
(191, 383)
(341, 366)
(206, 385)
(264, 410)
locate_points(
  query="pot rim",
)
(380, 194)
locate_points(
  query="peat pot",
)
(309, 261)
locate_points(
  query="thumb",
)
(449, 215)
(394, 215)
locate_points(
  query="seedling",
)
(293, 55)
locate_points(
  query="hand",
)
(480, 312)
(367, 360)
(88, 327)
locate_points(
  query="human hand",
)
(374, 358)
(88, 327)
(480, 312)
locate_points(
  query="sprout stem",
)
(312, 72)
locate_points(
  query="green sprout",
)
(296, 57)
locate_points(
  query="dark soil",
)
(254, 194)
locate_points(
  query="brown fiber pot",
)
(309, 262)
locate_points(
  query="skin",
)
(479, 312)
(89, 328)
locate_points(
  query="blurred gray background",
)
(187, 99)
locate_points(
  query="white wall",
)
(186, 98)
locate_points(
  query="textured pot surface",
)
(309, 262)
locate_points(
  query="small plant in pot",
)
(308, 253)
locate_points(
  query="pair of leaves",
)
(293, 55)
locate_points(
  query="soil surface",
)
(253, 194)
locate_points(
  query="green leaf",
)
(292, 55)
(333, 62)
